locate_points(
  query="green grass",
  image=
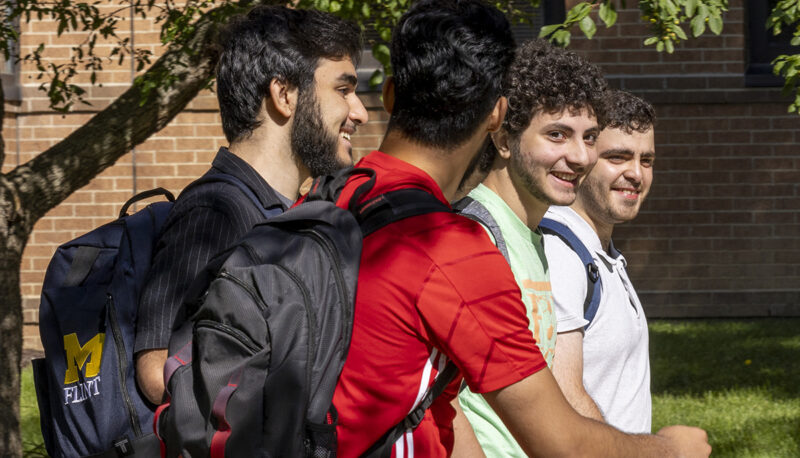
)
(737, 379)
(32, 442)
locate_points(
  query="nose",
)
(634, 171)
(358, 113)
(582, 156)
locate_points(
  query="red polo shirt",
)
(431, 288)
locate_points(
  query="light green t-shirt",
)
(529, 265)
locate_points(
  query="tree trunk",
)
(10, 339)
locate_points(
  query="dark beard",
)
(312, 144)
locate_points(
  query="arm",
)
(544, 424)
(568, 372)
(466, 444)
(150, 373)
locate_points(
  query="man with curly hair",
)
(604, 368)
(539, 158)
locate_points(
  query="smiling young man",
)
(433, 288)
(286, 85)
(539, 158)
(604, 370)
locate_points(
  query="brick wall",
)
(720, 233)
(719, 236)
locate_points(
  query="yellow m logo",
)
(77, 356)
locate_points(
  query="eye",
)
(590, 139)
(556, 135)
(616, 158)
(648, 161)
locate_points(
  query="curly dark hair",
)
(275, 42)
(449, 58)
(545, 78)
(625, 111)
(551, 79)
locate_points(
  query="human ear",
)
(500, 140)
(498, 114)
(388, 94)
(283, 97)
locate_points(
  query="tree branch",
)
(52, 176)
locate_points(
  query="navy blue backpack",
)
(89, 402)
(593, 283)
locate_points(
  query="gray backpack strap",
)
(475, 211)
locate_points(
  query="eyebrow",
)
(626, 152)
(348, 78)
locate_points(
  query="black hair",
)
(627, 112)
(275, 42)
(449, 58)
(545, 78)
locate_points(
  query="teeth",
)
(564, 176)
(628, 192)
(345, 135)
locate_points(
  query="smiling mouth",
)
(345, 135)
(569, 177)
(629, 193)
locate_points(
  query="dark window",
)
(9, 72)
(764, 46)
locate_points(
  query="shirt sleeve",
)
(184, 249)
(568, 282)
(473, 309)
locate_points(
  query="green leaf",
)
(660, 46)
(698, 26)
(588, 27)
(548, 29)
(376, 78)
(381, 52)
(670, 46)
(561, 38)
(715, 24)
(608, 14)
(690, 7)
(650, 41)
(679, 32)
(795, 41)
(578, 12)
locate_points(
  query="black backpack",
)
(253, 370)
(89, 402)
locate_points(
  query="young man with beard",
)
(433, 287)
(539, 158)
(604, 370)
(286, 85)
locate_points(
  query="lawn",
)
(738, 379)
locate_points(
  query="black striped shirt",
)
(204, 221)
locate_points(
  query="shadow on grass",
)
(697, 356)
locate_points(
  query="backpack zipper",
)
(333, 254)
(252, 293)
(232, 332)
(123, 368)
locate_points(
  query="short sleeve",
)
(568, 283)
(473, 309)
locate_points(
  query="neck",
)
(602, 229)
(527, 207)
(269, 152)
(446, 167)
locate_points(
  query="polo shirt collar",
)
(229, 163)
(588, 236)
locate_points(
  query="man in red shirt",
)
(434, 288)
